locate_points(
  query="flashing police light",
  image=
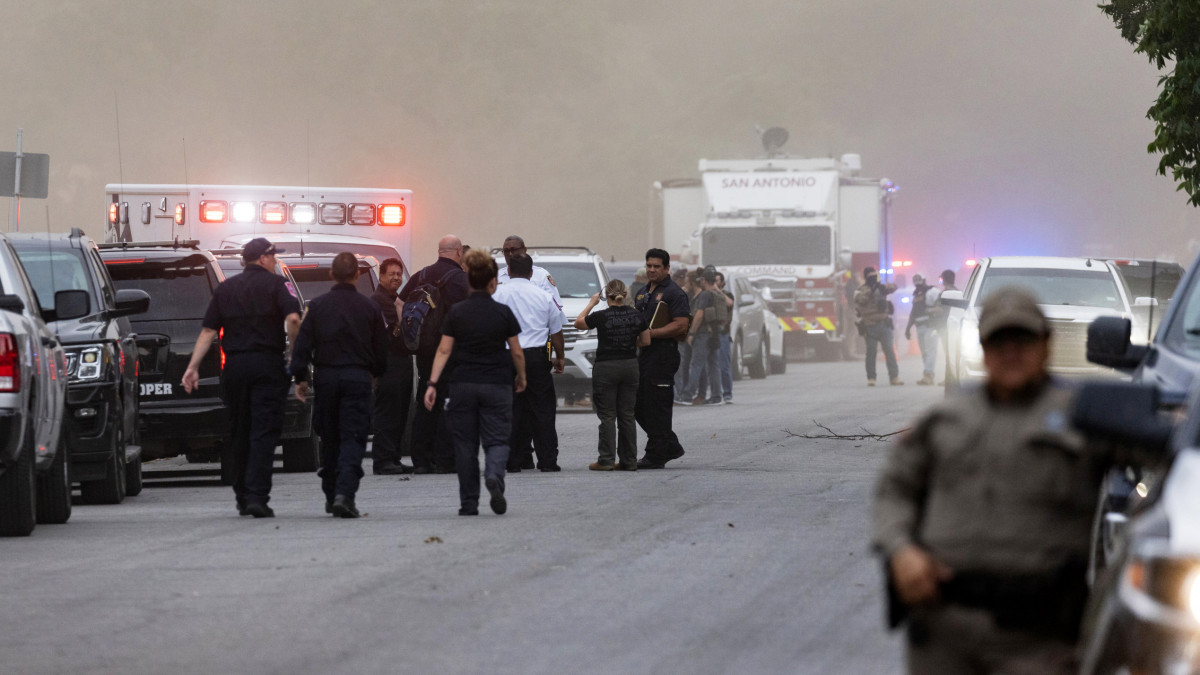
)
(243, 212)
(972, 262)
(391, 214)
(304, 213)
(114, 211)
(180, 214)
(274, 213)
(213, 211)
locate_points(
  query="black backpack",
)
(420, 323)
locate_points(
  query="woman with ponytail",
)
(621, 330)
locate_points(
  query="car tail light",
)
(274, 213)
(391, 214)
(10, 364)
(212, 211)
(362, 214)
(180, 214)
(114, 213)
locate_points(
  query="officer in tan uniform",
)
(983, 513)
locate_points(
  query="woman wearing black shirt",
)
(479, 408)
(621, 331)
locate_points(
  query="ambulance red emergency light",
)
(366, 221)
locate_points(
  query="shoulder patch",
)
(291, 288)
(550, 279)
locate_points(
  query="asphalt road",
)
(747, 555)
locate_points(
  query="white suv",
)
(1071, 292)
(578, 273)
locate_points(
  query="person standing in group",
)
(658, 361)
(260, 315)
(535, 408)
(704, 337)
(871, 303)
(393, 389)
(481, 384)
(926, 340)
(938, 312)
(620, 331)
(515, 246)
(344, 336)
(431, 451)
(639, 282)
(724, 359)
(687, 283)
(983, 512)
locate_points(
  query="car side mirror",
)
(1124, 412)
(12, 303)
(745, 299)
(1108, 343)
(953, 299)
(130, 301)
(1145, 302)
(70, 304)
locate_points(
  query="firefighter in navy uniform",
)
(255, 309)
(345, 337)
(658, 362)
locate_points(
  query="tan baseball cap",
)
(1010, 308)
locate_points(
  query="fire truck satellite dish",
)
(774, 138)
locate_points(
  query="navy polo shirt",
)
(251, 307)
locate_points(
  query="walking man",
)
(344, 336)
(664, 306)
(535, 408)
(431, 448)
(871, 303)
(393, 389)
(257, 310)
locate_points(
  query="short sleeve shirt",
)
(666, 291)
(251, 308)
(481, 327)
(617, 329)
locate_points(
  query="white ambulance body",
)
(366, 221)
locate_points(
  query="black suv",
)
(181, 278)
(102, 391)
(301, 445)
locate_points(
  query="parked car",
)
(35, 484)
(625, 271)
(1151, 284)
(300, 442)
(102, 392)
(1072, 292)
(578, 273)
(1144, 612)
(750, 338)
(181, 278)
(311, 272)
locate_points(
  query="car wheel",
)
(111, 488)
(301, 454)
(133, 478)
(54, 488)
(18, 500)
(758, 367)
(735, 358)
(779, 364)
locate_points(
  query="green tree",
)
(1168, 33)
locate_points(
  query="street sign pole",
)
(16, 202)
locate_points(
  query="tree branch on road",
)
(831, 434)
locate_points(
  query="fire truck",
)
(366, 221)
(798, 229)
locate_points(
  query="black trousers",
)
(431, 445)
(256, 387)
(534, 412)
(393, 395)
(479, 414)
(657, 365)
(342, 414)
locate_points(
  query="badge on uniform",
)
(291, 289)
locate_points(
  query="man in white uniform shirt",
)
(515, 246)
(541, 318)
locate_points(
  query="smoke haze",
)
(1014, 127)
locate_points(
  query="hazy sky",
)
(1011, 127)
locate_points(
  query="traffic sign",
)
(35, 174)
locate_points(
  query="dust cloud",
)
(1014, 127)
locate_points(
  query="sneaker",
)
(499, 504)
(728, 401)
(343, 507)
(680, 401)
(870, 383)
(597, 466)
(895, 381)
(258, 510)
(714, 401)
(925, 381)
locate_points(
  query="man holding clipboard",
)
(666, 310)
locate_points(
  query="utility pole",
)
(15, 219)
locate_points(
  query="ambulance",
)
(365, 221)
